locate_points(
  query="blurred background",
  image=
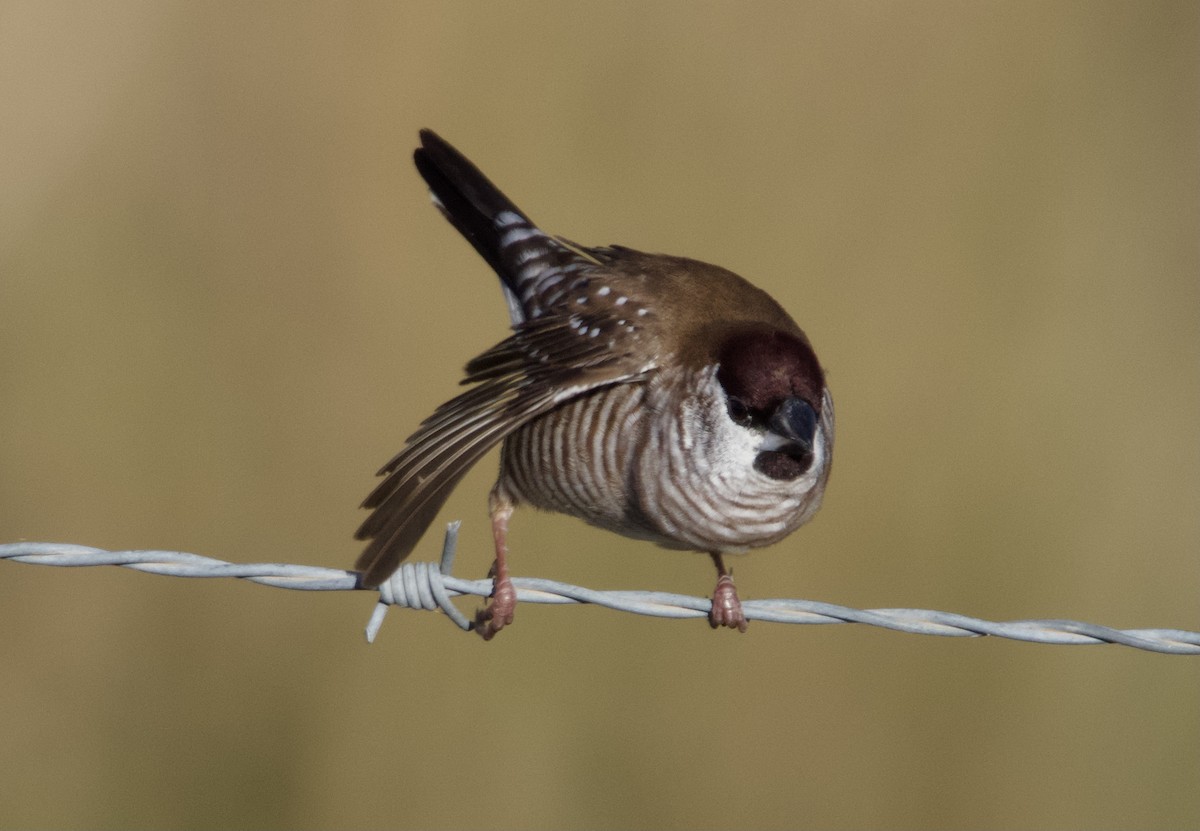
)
(225, 300)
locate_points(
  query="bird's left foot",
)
(498, 611)
(726, 607)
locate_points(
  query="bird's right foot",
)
(498, 611)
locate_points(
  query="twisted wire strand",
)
(430, 586)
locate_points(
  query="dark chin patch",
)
(782, 466)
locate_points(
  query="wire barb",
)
(422, 585)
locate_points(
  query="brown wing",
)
(546, 362)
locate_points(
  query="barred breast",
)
(698, 481)
(578, 460)
(658, 461)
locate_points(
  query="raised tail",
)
(468, 199)
(521, 253)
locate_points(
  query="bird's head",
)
(775, 389)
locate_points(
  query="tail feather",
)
(468, 199)
(525, 257)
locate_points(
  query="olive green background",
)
(225, 301)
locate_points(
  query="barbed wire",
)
(430, 586)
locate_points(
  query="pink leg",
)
(498, 611)
(726, 607)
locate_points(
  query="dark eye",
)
(739, 412)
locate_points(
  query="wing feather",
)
(517, 381)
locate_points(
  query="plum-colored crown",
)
(761, 368)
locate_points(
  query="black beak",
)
(795, 420)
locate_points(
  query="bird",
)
(654, 396)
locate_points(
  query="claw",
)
(726, 607)
(498, 611)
